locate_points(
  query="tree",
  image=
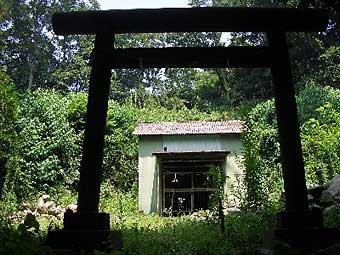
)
(73, 53)
(23, 31)
(31, 51)
(314, 56)
(164, 82)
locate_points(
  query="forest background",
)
(43, 94)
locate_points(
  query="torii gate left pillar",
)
(87, 228)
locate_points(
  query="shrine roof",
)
(189, 128)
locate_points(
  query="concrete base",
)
(333, 250)
(311, 247)
(86, 221)
(101, 240)
(300, 234)
(85, 231)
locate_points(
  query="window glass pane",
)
(178, 201)
(202, 180)
(201, 200)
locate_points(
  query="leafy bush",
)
(321, 145)
(48, 146)
(329, 73)
(263, 174)
(331, 217)
(24, 239)
(8, 116)
(50, 130)
(314, 96)
(319, 121)
(121, 146)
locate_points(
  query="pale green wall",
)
(148, 180)
(149, 177)
(234, 167)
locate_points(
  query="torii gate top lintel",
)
(199, 19)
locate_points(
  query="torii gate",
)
(87, 227)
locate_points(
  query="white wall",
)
(192, 143)
(234, 167)
(149, 177)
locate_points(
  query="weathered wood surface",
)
(213, 19)
(196, 57)
(288, 126)
(92, 159)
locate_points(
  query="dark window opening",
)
(186, 184)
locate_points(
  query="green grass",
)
(151, 234)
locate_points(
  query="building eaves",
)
(189, 128)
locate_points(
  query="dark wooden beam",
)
(213, 19)
(288, 127)
(216, 57)
(92, 160)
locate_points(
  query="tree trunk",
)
(30, 80)
(223, 77)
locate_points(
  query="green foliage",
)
(149, 234)
(329, 75)
(245, 230)
(216, 199)
(321, 145)
(155, 235)
(17, 242)
(33, 54)
(30, 224)
(8, 117)
(121, 146)
(76, 111)
(331, 216)
(319, 120)
(121, 205)
(152, 234)
(263, 174)
(48, 146)
(183, 114)
(50, 130)
(314, 96)
(8, 206)
(217, 182)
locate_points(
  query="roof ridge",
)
(189, 127)
(185, 121)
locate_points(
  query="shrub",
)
(314, 96)
(8, 117)
(321, 145)
(319, 119)
(48, 146)
(263, 175)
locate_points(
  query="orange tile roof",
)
(189, 128)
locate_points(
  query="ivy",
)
(8, 117)
(319, 117)
(321, 145)
(48, 146)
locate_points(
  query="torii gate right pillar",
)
(298, 225)
(288, 125)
